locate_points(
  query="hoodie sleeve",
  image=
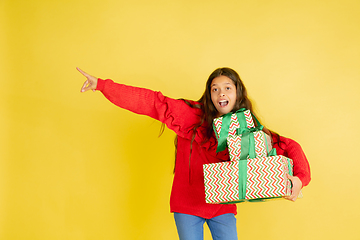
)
(176, 114)
(293, 150)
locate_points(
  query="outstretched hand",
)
(90, 83)
(295, 191)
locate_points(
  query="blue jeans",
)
(191, 227)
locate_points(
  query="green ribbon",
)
(242, 178)
(224, 132)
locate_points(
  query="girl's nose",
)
(222, 94)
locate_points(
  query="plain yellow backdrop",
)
(74, 166)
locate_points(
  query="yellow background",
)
(74, 166)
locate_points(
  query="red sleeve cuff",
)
(100, 84)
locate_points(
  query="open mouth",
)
(223, 103)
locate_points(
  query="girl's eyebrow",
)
(214, 84)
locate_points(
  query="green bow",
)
(247, 141)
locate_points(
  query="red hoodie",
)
(188, 194)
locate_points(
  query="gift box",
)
(252, 172)
(246, 180)
(237, 131)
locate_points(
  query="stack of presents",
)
(254, 172)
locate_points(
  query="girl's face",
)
(223, 94)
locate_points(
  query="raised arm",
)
(176, 114)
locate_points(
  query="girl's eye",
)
(214, 89)
(228, 88)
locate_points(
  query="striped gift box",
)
(244, 180)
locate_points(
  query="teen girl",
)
(196, 145)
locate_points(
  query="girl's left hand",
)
(297, 185)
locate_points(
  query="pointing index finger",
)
(82, 72)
